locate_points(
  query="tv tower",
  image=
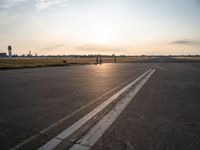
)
(10, 51)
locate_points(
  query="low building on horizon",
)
(2, 55)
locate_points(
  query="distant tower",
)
(10, 51)
(30, 53)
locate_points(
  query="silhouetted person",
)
(100, 60)
(97, 60)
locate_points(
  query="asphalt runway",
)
(38, 104)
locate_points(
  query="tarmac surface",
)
(37, 104)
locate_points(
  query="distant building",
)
(10, 51)
(3, 55)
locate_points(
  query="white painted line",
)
(67, 117)
(92, 136)
(67, 132)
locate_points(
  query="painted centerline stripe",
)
(92, 136)
(70, 115)
(67, 132)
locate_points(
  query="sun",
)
(100, 34)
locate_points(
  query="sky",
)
(122, 27)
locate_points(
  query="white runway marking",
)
(65, 118)
(92, 136)
(66, 133)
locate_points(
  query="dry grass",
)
(25, 62)
(37, 62)
(7, 63)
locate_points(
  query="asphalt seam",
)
(96, 131)
(77, 125)
(42, 133)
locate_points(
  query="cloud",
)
(39, 4)
(186, 42)
(95, 48)
(45, 4)
(9, 3)
(91, 47)
(55, 47)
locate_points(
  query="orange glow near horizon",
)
(100, 27)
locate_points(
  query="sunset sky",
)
(130, 27)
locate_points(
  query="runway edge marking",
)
(74, 127)
(93, 135)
